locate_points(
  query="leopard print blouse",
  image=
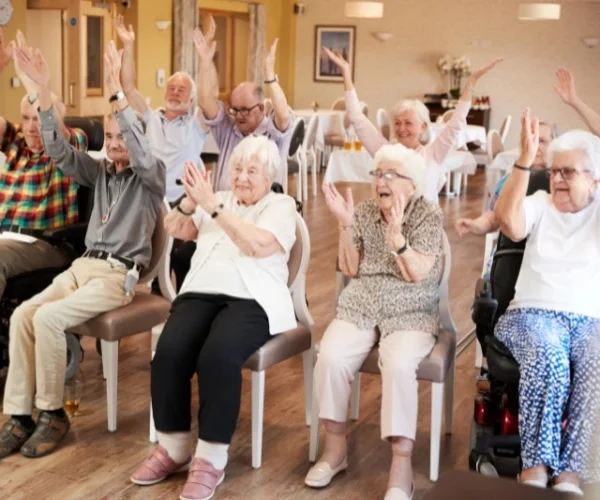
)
(379, 296)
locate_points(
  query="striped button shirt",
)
(34, 193)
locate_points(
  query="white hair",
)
(193, 88)
(413, 164)
(261, 148)
(578, 140)
(421, 112)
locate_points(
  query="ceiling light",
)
(364, 9)
(539, 11)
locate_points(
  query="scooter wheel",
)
(73, 355)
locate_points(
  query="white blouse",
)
(219, 266)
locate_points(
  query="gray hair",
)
(261, 148)
(193, 88)
(413, 164)
(554, 130)
(420, 110)
(578, 140)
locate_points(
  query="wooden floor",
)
(95, 464)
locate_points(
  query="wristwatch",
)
(276, 79)
(32, 98)
(397, 253)
(119, 96)
(182, 211)
(217, 211)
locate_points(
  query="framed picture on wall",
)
(338, 39)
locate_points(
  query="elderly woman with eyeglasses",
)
(411, 125)
(552, 326)
(392, 247)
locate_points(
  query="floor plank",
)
(93, 463)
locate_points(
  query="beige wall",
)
(424, 30)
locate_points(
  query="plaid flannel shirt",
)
(34, 193)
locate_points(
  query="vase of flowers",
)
(454, 68)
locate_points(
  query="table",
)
(354, 166)
(330, 123)
(469, 133)
(462, 485)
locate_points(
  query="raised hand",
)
(34, 65)
(205, 47)
(126, 35)
(342, 209)
(340, 62)
(566, 88)
(112, 67)
(212, 29)
(530, 139)
(269, 64)
(394, 237)
(477, 74)
(197, 186)
(6, 51)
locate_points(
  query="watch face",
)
(6, 11)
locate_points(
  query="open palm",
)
(342, 209)
(126, 35)
(339, 61)
(566, 88)
(477, 74)
(205, 48)
(34, 67)
(6, 51)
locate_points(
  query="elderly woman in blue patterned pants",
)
(552, 326)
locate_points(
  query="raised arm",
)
(179, 222)
(509, 209)
(280, 104)
(208, 81)
(446, 140)
(568, 93)
(349, 244)
(127, 37)
(150, 169)
(365, 130)
(6, 51)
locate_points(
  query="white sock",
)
(177, 445)
(215, 453)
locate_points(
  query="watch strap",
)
(182, 211)
(32, 98)
(217, 211)
(519, 167)
(276, 79)
(400, 251)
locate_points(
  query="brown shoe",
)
(47, 436)
(13, 435)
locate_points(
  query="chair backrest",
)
(446, 320)
(160, 241)
(494, 145)
(383, 123)
(94, 130)
(297, 137)
(299, 255)
(339, 104)
(504, 128)
(445, 118)
(268, 104)
(310, 133)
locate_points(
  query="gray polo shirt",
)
(126, 205)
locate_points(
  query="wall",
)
(10, 98)
(424, 30)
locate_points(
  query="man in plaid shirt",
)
(34, 195)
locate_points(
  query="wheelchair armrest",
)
(484, 306)
(72, 232)
(480, 286)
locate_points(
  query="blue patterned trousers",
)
(559, 361)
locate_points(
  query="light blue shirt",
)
(175, 142)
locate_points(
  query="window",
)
(94, 47)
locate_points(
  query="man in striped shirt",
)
(34, 195)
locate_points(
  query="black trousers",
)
(213, 336)
(181, 260)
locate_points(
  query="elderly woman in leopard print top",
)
(392, 247)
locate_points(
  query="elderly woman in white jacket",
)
(552, 326)
(392, 246)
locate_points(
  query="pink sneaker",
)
(157, 467)
(202, 481)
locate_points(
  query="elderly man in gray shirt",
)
(128, 192)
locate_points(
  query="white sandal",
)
(535, 483)
(321, 474)
(568, 488)
(398, 494)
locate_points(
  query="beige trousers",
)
(37, 346)
(17, 257)
(343, 350)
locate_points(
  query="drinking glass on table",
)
(347, 143)
(357, 144)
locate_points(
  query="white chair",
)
(339, 104)
(494, 147)
(307, 149)
(438, 367)
(295, 163)
(505, 128)
(383, 123)
(281, 347)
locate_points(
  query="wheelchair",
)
(495, 445)
(70, 239)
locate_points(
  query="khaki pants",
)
(37, 346)
(17, 257)
(343, 350)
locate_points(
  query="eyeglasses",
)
(242, 111)
(388, 176)
(567, 173)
